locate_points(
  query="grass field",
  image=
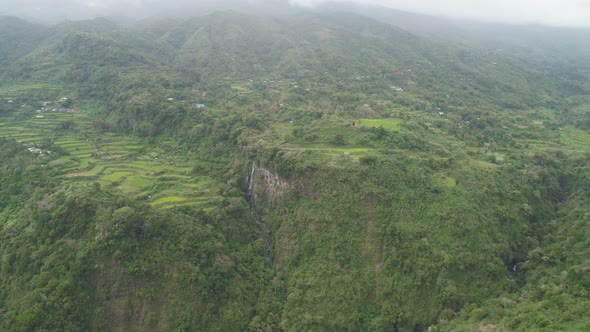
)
(168, 199)
(388, 124)
(23, 89)
(575, 139)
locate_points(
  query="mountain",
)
(19, 38)
(546, 40)
(130, 11)
(305, 170)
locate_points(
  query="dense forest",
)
(302, 171)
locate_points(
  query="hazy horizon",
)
(559, 13)
(564, 13)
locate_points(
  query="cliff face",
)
(266, 188)
(413, 249)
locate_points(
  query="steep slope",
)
(394, 182)
(88, 258)
(551, 49)
(17, 38)
(554, 276)
(398, 242)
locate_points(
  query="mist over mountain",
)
(564, 13)
(570, 13)
(259, 166)
(55, 11)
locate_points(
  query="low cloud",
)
(548, 12)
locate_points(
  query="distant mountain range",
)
(287, 169)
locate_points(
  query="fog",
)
(52, 11)
(571, 13)
(567, 13)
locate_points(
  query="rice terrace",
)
(277, 165)
(122, 162)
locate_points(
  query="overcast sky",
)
(547, 12)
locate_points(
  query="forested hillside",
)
(310, 170)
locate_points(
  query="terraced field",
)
(281, 135)
(116, 161)
(333, 152)
(388, 124)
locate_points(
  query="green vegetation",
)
(313, 171)
(114, 160)
(94, 241)
(170, 199)
(389, 124)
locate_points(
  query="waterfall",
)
(264, 229)
(251, 179)
(249, 197)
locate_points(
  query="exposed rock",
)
(266, 187)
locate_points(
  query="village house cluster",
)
(46, 106)
(197, 105)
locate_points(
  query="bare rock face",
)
(266, 187)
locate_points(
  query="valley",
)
(305, 170)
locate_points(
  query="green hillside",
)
(307, 171)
